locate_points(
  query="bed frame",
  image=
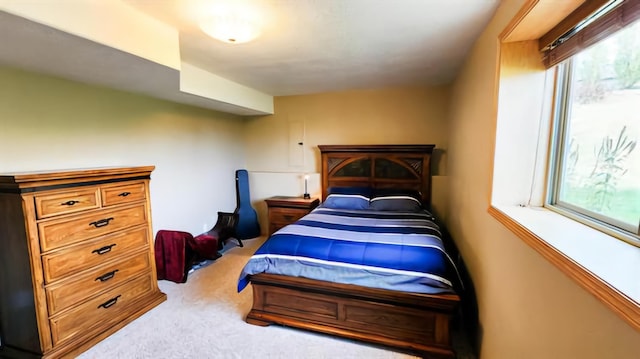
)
(410, 322)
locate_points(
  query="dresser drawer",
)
(286, 215)
(79, 247)
(69, 293)
(53, 204)
(80, 257)
(284, 210)
(112, 195)
(100, 312)
(64, 231)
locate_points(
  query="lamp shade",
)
(230, 28)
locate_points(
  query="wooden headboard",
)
(377, 166)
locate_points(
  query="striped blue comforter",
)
(391, 250)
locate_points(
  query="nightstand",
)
(285, 210)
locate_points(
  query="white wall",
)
(53, 124)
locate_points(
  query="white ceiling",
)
(311, 46)
(306, 46)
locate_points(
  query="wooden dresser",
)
(285, 210)
(76, 258)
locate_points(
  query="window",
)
(534, 91)
(595, 172)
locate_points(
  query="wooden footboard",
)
(411, 322)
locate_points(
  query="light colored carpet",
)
(204, 318)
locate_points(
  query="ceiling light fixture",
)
(231, 27)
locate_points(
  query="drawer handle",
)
(288, 217)
(110, 302)
(104, 249)
(124, 194)
(101, 223)
(105, 277)
(69, 203)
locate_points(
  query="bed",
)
(383, 274)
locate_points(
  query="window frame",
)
(557, 158)
(541, 228)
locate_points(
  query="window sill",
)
(603, 265)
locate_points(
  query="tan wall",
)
(386, 116)
(528, 308)
(50, 124)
